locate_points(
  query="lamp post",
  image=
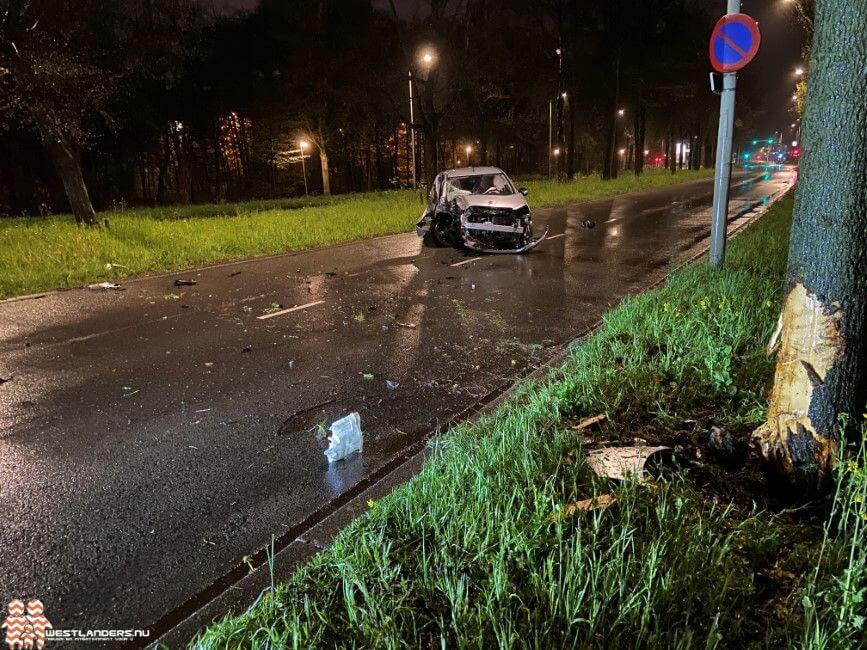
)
(468, 149)
(301, 145)
(427, 59)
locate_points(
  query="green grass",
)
(466, 554)
(39, 254)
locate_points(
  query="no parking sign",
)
(734, 42)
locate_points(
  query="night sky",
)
(769, 80)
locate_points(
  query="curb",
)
(318, 531)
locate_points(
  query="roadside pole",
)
(722, 176)
(412, 131)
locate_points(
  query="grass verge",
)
(38, 254)
(468, 554)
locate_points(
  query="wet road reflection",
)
(139, 451)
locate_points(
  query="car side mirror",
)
(523, 191)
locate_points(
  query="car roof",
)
(472, 171)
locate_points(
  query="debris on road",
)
(368, 376)
(346, 438)
(173, 296)
(4, 380)
(392, 385)
(247, 348)
(588, 422)
(589, 224)
(105, 286)
(621, 462)
(409, 326)
(298, 420)
(595, 503)
(273, 308)
(180, 282)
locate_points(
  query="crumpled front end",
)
(498, 230)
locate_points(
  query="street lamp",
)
(469, 150)
(557, 151)
(799, 71)
(427, 59)
(621, 112)
(301, 145)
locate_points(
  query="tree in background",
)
(821, 371)
(50, 83)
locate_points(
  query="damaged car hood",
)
(503, 202)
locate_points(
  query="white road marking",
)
(472, 259)
(291, 309)
(562, 234)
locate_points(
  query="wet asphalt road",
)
(139, 447)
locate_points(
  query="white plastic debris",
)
(620, 462)
(105, 286)
(346, 438)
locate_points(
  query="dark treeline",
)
(162, 101)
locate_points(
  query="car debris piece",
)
(180, 282)
(391, 384)
(586, 423)
(105, 286)
(478, 208)
(346, 438)
(595, 503)
(621, 462)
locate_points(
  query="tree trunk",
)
(640, 128)
(326, 172)
(821, 365)
(68, 165)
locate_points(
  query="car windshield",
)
(491, 184)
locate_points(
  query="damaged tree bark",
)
(821, 367)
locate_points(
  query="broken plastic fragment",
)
(346, 438)
(571, 509)
(620, 462)
(392, 385)
(105, 286)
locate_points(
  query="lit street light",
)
(799, 71)
(557, 151)
(301, 145)
(427, 59)
(621, 112)
(469, 150)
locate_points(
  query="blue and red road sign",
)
(734, 42)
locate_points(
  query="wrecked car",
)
(478, 208)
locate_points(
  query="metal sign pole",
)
(722, 177)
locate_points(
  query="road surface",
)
(147, 442)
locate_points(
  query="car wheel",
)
(440, 233)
